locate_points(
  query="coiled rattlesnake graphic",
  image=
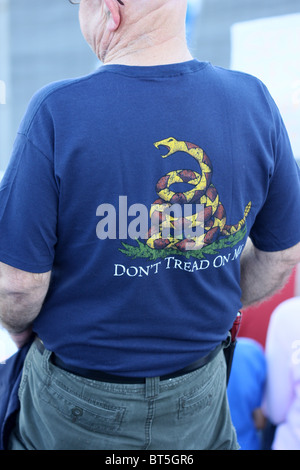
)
(213, 214)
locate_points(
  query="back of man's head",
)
(114, 28)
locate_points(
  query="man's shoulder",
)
(247, 92)
(46, 92)
(237, 80)
(237, 75)
(46, 98)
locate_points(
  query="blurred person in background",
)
(282, 397)
(245, 393)
(129, 336)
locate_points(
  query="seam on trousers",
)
(151, 392)
(148, 424)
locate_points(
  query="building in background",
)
(212, 34)
(269, 48)
(40, 42)
(260, 38)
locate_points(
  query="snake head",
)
(171, 144)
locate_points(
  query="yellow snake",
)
(203, 192)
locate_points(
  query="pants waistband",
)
(104, 377)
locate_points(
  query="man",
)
(245, 392)
(131, 316)
(281, 401)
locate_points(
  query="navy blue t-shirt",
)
(99, 164)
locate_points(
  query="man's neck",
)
(171, 51)
(157, 38)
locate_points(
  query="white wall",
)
(5, 77)
(269, 48)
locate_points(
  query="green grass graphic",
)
(141, 250)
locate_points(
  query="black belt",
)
(104, 377)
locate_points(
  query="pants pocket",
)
(92, 415)
(200, 398)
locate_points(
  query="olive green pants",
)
(61, 411)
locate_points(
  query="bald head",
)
(135, 32)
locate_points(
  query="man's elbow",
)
(22, 288)
(284, 260)
(15, 282)
(291, 257)
(297, 254)
(21, 297)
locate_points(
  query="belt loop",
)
(45, 355)
(152, 387)
(46, 360)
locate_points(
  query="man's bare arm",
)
(264, 273)
(21, 297)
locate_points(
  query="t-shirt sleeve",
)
(28, 209)
(277, 225)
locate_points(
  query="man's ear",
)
(114, 18)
